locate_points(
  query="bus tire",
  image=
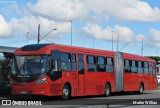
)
(141, 88)
(66, 92)
(107, 90)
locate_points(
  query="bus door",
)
(119, 72)
(81, 77)
(151, 84)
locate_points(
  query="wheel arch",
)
(70, 87)
(109, 85)
(142, 84)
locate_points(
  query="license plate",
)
(23, 92)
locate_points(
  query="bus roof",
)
(34, 49)
(47, 48)
(136, 57)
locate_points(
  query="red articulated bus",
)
(67, 71)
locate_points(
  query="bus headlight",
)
(41, 81)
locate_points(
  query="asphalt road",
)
(127, 100)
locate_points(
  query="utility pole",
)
(142, 48)
(117, 42)
(38, 33)
(112, 40)
(27, 37)
(71, 30)
(93, 42)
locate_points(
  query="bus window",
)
(73, 62)
(134, 66)
(80, 56)
(65, 57)
(109, 64)
(56, 54)
(65, 61)
(81, 66)
(154, 68)
(101, 64)
(150, 69)
(91, 64)
(140, 68)
(145, 67)
(53, 66)
(127, 67)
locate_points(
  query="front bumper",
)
(40, 89)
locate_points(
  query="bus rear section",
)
(139, 73)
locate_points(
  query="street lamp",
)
(112, 40)
(71, 30)
(27, 37)
(93, 42)
(47, 34)
(125, 46)
(117, 42)
(142, 48)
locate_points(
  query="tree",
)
(156, 58)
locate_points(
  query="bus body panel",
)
(89, 83)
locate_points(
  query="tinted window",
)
(66, 66)
(91, 64)
(100, 60)
(73, 62)
(150, 69)
(91, 67)
(101, 68)
(133, 63)
(127, 67)
(109, 68)
(80, 66)
(134, 66)
(90, 59)
(52, 64)
(56, 55)
(65, 57)
(145, 67)
(145, 64)
(73, 66)
(139, 64)
(73, 57)
(109, 61)
(68, 62)
(154, 69)
(127, 62)
(140, 69)
(109, 64)
(80, 56)
(101, 64)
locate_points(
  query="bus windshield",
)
(29, 64)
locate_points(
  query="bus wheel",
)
(141, 89)
(107, 90)
(65, 92)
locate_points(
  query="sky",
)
(94, 24)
